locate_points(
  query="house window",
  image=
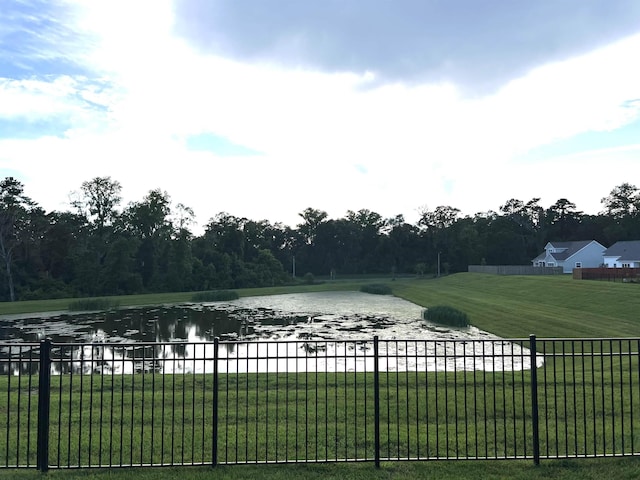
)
(578, 264)
(551, 264)
(626, 265)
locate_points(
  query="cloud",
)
(348, 131)
(219, 145)
(52, 106)
(39, 37)
(478, 45)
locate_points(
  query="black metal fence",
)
(179, 403)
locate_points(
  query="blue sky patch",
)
(586, 142)
(34, 40)
(22, 129)
(9, 172)
(209, 142)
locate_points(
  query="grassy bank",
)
(549, 306)
(37, 306)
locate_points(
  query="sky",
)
(263, 108)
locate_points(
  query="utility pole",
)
(438, 264)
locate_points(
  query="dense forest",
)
(100, 247)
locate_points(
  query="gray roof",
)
(629, 250)
(542, 256)
(571, 248)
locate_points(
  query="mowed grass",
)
(62, 304)
(547, 306)
(511, 307)
(583, 469)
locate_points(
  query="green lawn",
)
(548, 306)
(512, 307)
(62, 304)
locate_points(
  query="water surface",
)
(321, 331)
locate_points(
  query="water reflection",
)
(326, 332)
(291, 357)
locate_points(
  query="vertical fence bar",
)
(614, 414)
(8, 423)
(534, 399)
(214, 443)
(446, 401)
(376, 399)
(29, 416)
(163, 372)
(44, 402)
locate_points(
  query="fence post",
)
(376, 396)
(44, 402)
(534, 399)
(214, 446)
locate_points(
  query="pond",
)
(322, 331)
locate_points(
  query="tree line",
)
(100, 247)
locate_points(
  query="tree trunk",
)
(12, 294)
(7, 257)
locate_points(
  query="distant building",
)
(570, 255)
(622, 255)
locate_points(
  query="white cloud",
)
(563, 99)
(36, 98)
(419, 144)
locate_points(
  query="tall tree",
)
(312, 219)
(524, 220)
(526, 215)
(442, 217)
(98, 200)
(150, 217)
(226, 233)
(15, 208)
(435, 227)
(623, 201)
(60, 244)
(366, 226)
(148, 222)
(399, 246)
(622, 207)
(563, 219)
(183, 219)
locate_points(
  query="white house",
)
(623, 255)
(570, 255)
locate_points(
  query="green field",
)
(548, 306)
(508, 306)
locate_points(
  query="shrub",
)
(446, 315)
(309, 279)
(215, 296)
(376, 289)
(93, 304)
(44, 289)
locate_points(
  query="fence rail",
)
(625, 275)
(515, 270)
(70, 405)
